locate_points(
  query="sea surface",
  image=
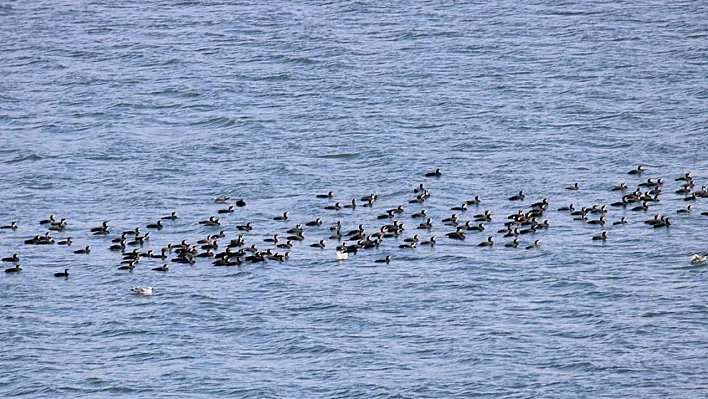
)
(126, 111)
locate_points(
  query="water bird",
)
(341, 255)
(601, 237)
(246, 227)
(141, 290)
(11, 226)
(314, 223)
(386, 260)
(698, 259)
(461, 208)
(518, 197)
(230, 209)
(16, 269)
(171, 216)
(536, 244)
(352, 205)
(65, 273)
(666, 222)
(567, 208)
(157, 225)
(431, 241)
(470, 227)
(48, 221)
(686, 177)
(512, 244)
(213, 221)
(240, 203)
(84, 251)
(284, 216)
(488, 243)
(421, 214)
(475, 201)
(436, 173)
(574, 187)
(688, 209)
(337, 206)
(102, 227)
(638, 171)
(162, 268)
(320, 244)
(620, 187)
(66, 241)
(14, 258)
(329, 195)
(221, 200)
(621, 221)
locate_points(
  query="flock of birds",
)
(527, 222)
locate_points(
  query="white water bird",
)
(142, 290)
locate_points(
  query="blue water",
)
(127, 111)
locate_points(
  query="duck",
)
(688, 209)
(246, 227)
(336, 236)
(428, 224)
(134, 232)
(574, 187)
(412, 239)
(620, 187)
(284, 216)
(352, 205)
(221, 200)
(698, 259)
(337, 206)
(621, 221)
(475, 201)
(397, 210)
(600, 221)
(666, 222)
(436, 173)
(458, 234)
(512, 244)
(371, 197)
(691, 197)
(388, 215)
(16, 269)
(419, 189)
(287, 245)
(84, 251)
(386, 260)
(408, 246)
(213, 221)
(14, 258)
(341, 255)
(296, 237)
(488, 243)
(329, 195)
(431, 241)
(451, 221)
(513, 233)
(230, 209)
(11, 226)
(536, 244)
(65, 273)
(142, 291)
(685, 177)
(649, 183)
(102, 227)
(600, 237)
(314, 223)
(58, 226)
(518, 197)
(162, 268)
(66, 241)
(422, 214)
(171, 216)
(622, 203)
(117, 247)
(638, 171)
(296, 229)
(130, 266)
(643, 207)
(570, 208)
(461, 208)
(484, 217)
(320, 244)
(157, 225)
(470, 227)
(48, 221)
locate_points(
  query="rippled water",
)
(127, 111)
